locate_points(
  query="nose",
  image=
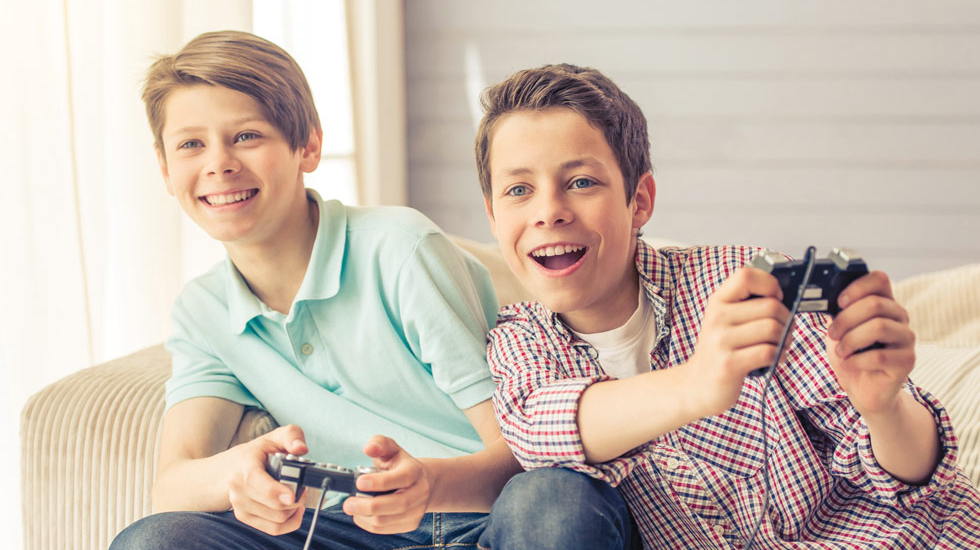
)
(553, 210)
(222, 161)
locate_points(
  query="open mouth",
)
(558, 257)
(229, 198)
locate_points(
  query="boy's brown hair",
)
(581, 89)
(242, 62)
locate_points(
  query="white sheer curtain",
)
(93, 249)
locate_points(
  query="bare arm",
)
(905, 442)
(189, 474)
(197, 471)
(471, 483)
(737, 335)
(619, 415)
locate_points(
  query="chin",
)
(558, 303)
(226, 235)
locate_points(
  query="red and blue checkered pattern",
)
(701, 486)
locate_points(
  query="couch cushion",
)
(952, 374)
(944, 306)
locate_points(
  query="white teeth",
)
(230, 198)
(556, 250)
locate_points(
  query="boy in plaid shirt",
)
(632, 365)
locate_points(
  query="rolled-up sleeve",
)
(540, 382)
(855, 460)
(816, 394)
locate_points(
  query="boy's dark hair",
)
(581, 89)
(242, 62)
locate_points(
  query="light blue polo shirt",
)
(387, 335)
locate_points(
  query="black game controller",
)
(830, 276)
(827, 279)
(297, 472)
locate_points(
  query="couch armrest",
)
(89, 445)
(88, 453)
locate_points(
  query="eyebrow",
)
(196, 129)
(578, 163)
(567, 165)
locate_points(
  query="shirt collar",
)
(322, 279)
(242, 304)
(657, 281)
(655, 278)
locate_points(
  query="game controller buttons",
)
(842, 256)
(297, 472)
(828, 278)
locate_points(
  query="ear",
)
(311, 151)
(493, 223)
(164, 170)
(646, 194)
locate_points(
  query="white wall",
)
(772, 123)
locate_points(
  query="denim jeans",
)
(540, 509)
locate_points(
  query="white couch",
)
(90, 440)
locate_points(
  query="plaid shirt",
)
(701, 486)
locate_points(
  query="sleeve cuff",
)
(224, 390)
(550, 437)
(861, 467)
(474, 394)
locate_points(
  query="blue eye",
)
(246, 136)
(190, 144)
(582, 183)
(517, 191)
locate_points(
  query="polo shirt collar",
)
(322, 279)
(242, 304)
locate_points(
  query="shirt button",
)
(307, 349)
(720, 530)
(673, 463)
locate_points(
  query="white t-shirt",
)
(625, 351)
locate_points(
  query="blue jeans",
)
(545, 508)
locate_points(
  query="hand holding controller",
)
(820, 281)
(830, 276)
(298, 472)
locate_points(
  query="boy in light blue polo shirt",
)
(361, 330)
(384, 290)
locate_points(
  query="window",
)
(314, 32)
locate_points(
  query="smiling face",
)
(231, 170)
(557, 206)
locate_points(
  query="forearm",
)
(194, 466)
(470, 483)
(193, 485)
(906, 442)
(618, 415)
